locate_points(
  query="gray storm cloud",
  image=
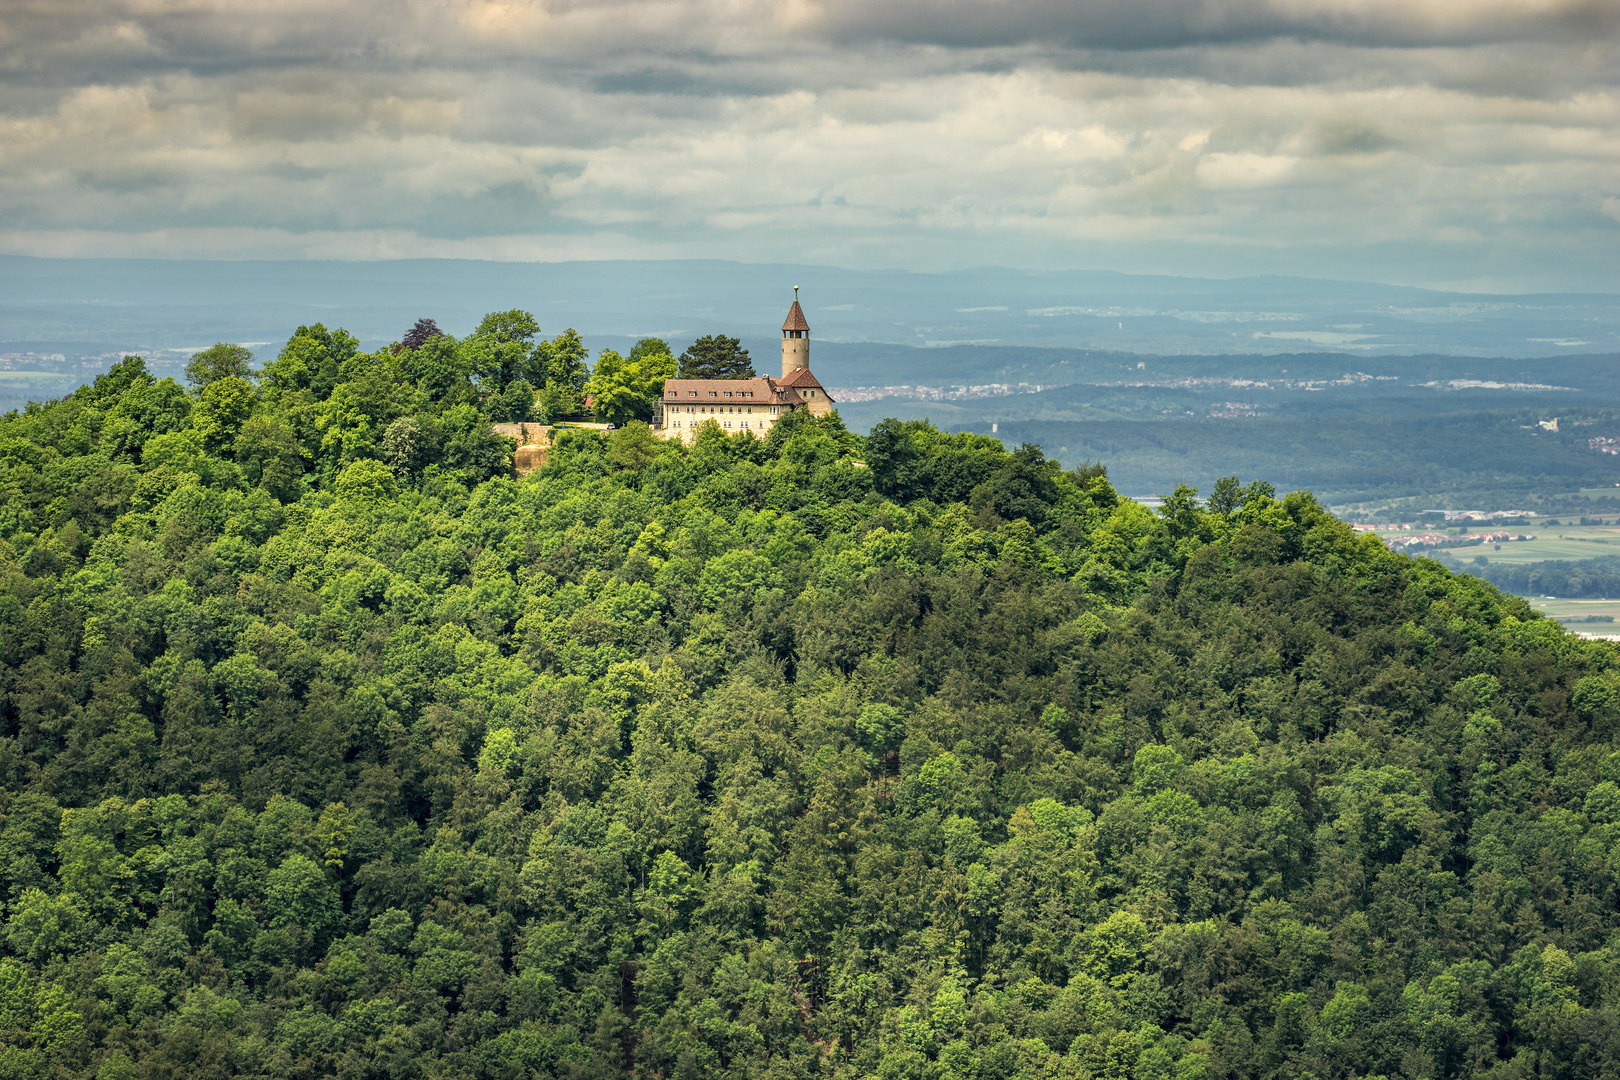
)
(1448, 140)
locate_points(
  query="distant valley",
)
(1360, 392)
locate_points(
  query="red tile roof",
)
(799, 378)
(730, 392)
(795, 319)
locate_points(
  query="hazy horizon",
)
(97, 307)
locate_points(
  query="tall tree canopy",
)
(625, 388)
(716, 357)
(221, 361)
(503, 350)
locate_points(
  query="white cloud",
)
(1330, 134)
(1244, 170)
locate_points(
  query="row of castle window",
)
(718, 393)
(723, 408)
(741, 423)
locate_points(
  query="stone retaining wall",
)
(534, 443)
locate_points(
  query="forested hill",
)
(329, 753)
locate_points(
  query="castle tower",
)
(795, 339)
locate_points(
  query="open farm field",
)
(1566, 543)
(1552, 542)
(53, 383)
(1572, 613)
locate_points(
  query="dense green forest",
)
(1590, 579)
(333, 749)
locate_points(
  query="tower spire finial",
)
(795, 339)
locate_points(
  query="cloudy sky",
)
(1471, 143)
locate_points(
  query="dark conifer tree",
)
(716, 357)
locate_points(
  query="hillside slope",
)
(332, 750)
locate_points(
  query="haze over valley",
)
(1332, 386)
(810, 540)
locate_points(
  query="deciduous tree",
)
(220, 361)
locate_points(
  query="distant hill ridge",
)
(145, 304)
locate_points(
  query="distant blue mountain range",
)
(88, 308)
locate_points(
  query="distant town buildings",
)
(1419, 541)
(1232, 410)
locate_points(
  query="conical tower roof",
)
(795, 319)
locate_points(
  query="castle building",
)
(746, 404)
